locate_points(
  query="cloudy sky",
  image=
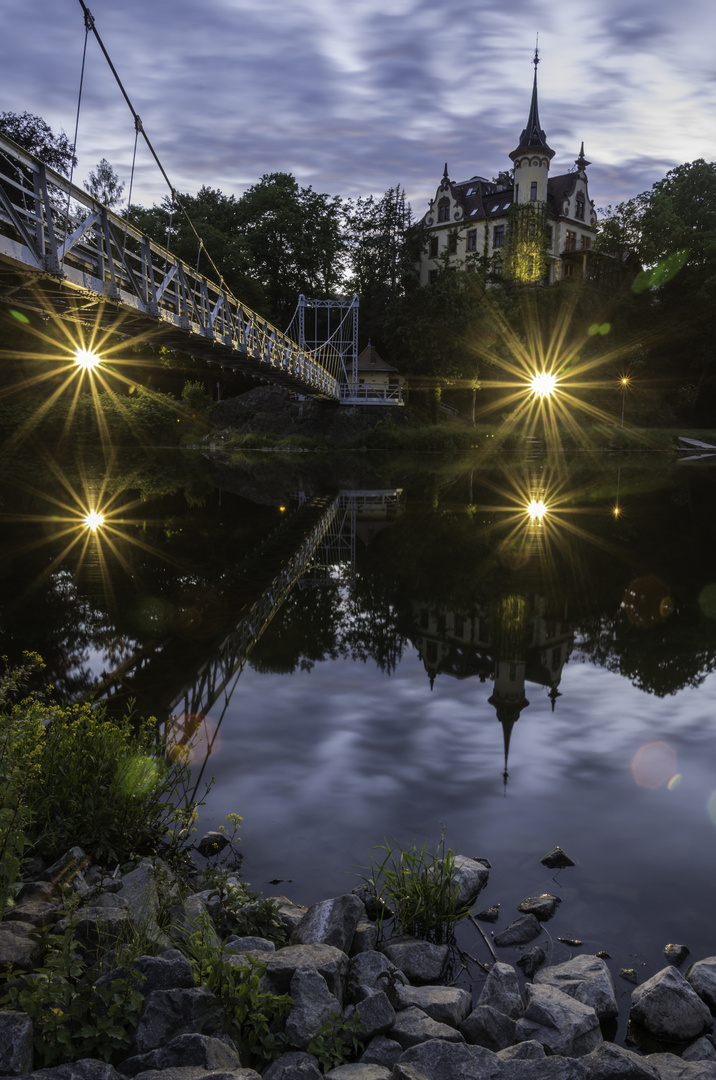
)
(355, 97)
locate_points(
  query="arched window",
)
(444, 210)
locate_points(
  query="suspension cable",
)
(90, 25)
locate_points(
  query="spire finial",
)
(536, 57)
(445, 172)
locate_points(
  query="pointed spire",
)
(581, 162)
(533, 136)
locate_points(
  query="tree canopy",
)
(34, 135)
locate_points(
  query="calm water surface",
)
(371, 648)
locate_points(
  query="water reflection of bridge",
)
(186, 673)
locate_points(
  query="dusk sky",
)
(354, 98)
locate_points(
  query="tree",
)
(104, 185)
(379, 254)
(34, 135)
(293, 240)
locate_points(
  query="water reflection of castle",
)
(511, 643)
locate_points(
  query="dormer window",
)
(579, 207)
(444, 210)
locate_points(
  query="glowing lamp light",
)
(87, 359)
(93, 520)
(536, 510)
(543, 384)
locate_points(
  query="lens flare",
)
(93, 520)
(543, 384)
(654, 764)
(87, 359)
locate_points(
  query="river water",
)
(374, 649)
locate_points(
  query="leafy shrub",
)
(338, 1041)
(420, 888)
(73, 1016)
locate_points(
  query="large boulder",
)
(487, 1027)
(375, 1013)
(702, 977)
(501, 991)
(314, 1004)
(371, 971)
(440, 1060)
(328, 961)
(609, 1061)
(413, 1026)
(201, 1051)
(17, 947)
(559, 1022)
(671, 1067)
(519, 932)
(421, 961)
(382, 1051)
(446, 1004)
(15, 1043)
(330, 922)
(669, 1008)
(587, 979)
(168, 1013)
(295, 1065)
(470, 876)
(358, 1071)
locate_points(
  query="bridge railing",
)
(371, 393)
(52, 230)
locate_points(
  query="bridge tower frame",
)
(346, 345)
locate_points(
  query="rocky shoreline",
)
(390, 994)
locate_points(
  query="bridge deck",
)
(93, 267)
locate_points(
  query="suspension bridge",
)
(65, 255)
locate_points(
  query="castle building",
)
(538, 231)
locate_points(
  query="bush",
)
(420, 889)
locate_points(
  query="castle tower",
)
(532, 156)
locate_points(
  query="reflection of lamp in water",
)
(93, 520)
(537, 510)
(87, 359)
(624, 383)
(543, 384)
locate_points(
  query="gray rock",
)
(365, 938)
(531, 1050)
(501, 991)
(557, 859)
(702, 977)
(314, 1004)
(701, 1050)
(520, 932)
(668, 1007)
(531, 961)
(413, 1026)
(470, 876)
(139, 891)
(15, 1043)
(16, 946)
(68, 870)
(248, 944)
(211, 843)
(330, 922)
(446, 1004)
(370, 971)
(85, 1069)
(191, 916)
(587, 979)
(294, 1066)
(676, 954)
(407, 1072)
(168, 1013)
(97, 926)
(671, 1067)
(168, 971)
(608, 1062)
(289, 913)
(195, 1072)
(439, 1060)
(376, 1014)
(36, 912)
(328, 961)
(487, 1027)
(359, 1071)
(490, 914)
(542, 907)
(421, 961)
(191, 1049)
(551, 1068)
(382, 1051)
(558, 1021)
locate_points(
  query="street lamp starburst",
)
(543, 384)
(86, 359)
